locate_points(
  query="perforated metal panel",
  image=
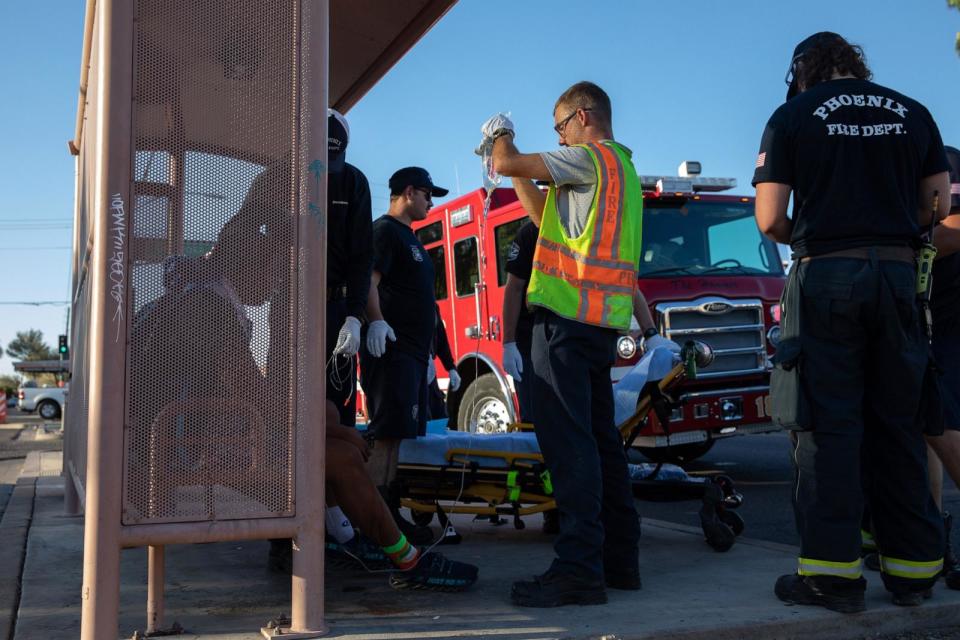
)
(212, 298)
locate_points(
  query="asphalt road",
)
(761, 468)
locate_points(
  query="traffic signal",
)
(64, 351)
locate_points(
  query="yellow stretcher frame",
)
(489, 492)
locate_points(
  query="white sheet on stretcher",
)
(432, 448)
(652, 366)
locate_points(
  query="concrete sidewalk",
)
(224, 590)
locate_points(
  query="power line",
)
(34, 248)
(39, 303)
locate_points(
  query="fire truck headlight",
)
(773, 336)
(626, 347)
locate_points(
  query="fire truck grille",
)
(732, 328)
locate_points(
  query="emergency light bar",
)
(673, 184)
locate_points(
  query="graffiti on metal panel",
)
(316, 169)
(117, 265)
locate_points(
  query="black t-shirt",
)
(349, 241)
(520, 265)
(945, 295)
(854, 153)
(406, 286)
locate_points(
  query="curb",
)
(877, 622)
(14, 529)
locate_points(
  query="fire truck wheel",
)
(679, 453)
(483, 408)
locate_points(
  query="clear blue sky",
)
(689, 80)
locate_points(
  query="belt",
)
(336, 293)
(899, 254)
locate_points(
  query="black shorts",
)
(342, 370)
(396, 389)
(946, 351)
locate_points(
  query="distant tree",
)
(10, 384)
(955, 4)
(29, 345)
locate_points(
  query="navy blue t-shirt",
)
(854, 153)
(520, 265)
(406, 286)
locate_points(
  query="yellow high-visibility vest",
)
(591, 278)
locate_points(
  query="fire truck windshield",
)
(697, 237)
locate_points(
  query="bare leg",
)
(947, 448)
(357, 494)
(935, 477)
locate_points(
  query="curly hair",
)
(836, 55)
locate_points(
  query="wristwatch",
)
(649, 333)
(499, 133)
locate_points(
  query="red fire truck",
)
(706, 271)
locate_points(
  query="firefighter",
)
(945, 303)
(863, 163)
(581, 286)
(401, 312)
(440, 348)
(349, 263)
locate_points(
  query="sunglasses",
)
(561, 126)
(788, 79)
(426, 193)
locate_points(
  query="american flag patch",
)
(955, 188)
(761, 159)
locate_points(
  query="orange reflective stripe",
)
(609, 201)
(592, 306)
(561, 265)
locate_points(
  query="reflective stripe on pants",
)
(811, 567)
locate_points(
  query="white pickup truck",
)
(46, 401)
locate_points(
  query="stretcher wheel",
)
(421, 518)
(732, 520)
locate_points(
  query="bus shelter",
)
(196, 407)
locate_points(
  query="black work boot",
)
(556, 589)
(837, 594)
(622, 578)
(911, 598)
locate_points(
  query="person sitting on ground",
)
(349, 487)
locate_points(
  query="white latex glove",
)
(377, 336)
(348, 341)
(512, 362)
(454, 380)
(659, 342)
(431, 371)
(494, 124)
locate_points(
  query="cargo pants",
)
(863, 357)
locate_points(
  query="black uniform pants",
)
(573, 395)
(863, 356)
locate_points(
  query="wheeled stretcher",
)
(498, 476)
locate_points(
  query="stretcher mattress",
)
(431, 450)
